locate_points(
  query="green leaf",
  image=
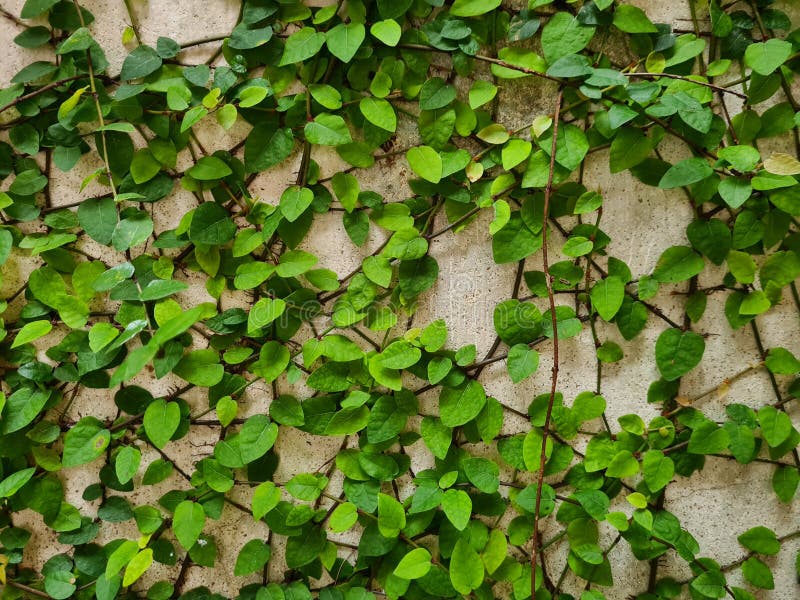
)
(686, 172)
(607, 296)
(127, 463)
(294, 202)
(400, 355)
(495, 551)
(343, 517)
(387, 419)
(188, 523)
(757, 573)
(161, 420)
(765, 57)
(587, 406)
(33, 8)
(437, 437)
(707, 438)
(132, 231)
(264, 312)
(784, 483)
(295, 262)
(33, 37)
(571, 145)
(577, 245)
(344, 40)
(414, 565)
(257, 436)
(11, 484)
(265, 497)
(391, 516)
(158, 288)
(776, 426)
(200, 367)
(466, 568)
(678, 352)
(28, 183)
(563, 35)
(137, 566)
(32, 331)
(632, 19)
(742, 158)
(387, 31)
(522, 362)
(328, 130)
(272, 361)
(378, 112)
(193, 116)
(779, 360)
(140, 63)
(457, 507)
(760, 539)
(305, 548)
(532, 450)
(211, 225)
(677, 264)
(473, 8)
(209, 168)
(425, 162)
(629, 148)
(712, 237)
(328, 96)
(243, 38)
(59, 585)
(458, 406)
(306, 486)
(302, 45)
(22, 407)
(622, 465)
(252, 558)
(266, 147)
(482, 473)
(481, 92)
(657, 469)
(436, 93)
(515, 241)
(120, 557)
(84, 442)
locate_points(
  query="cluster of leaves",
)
(345, 76)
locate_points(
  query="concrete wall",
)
(716, 505)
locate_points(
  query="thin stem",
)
(98, 108)
(548, 192)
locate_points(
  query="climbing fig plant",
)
(205, 315)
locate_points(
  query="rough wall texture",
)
(716, 504)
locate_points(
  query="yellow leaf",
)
(211, 99)
(70, 103)
(782, 164)
(128, 35)
(541, 124)
(3, 563)
(655, 62)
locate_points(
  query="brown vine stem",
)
(548, 192)
(488, 59)
(13, 18)
(28, 589)
(716, 88)
(93, 87)
(40, 90)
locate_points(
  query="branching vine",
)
(435, 487)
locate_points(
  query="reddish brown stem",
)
(548, 192)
